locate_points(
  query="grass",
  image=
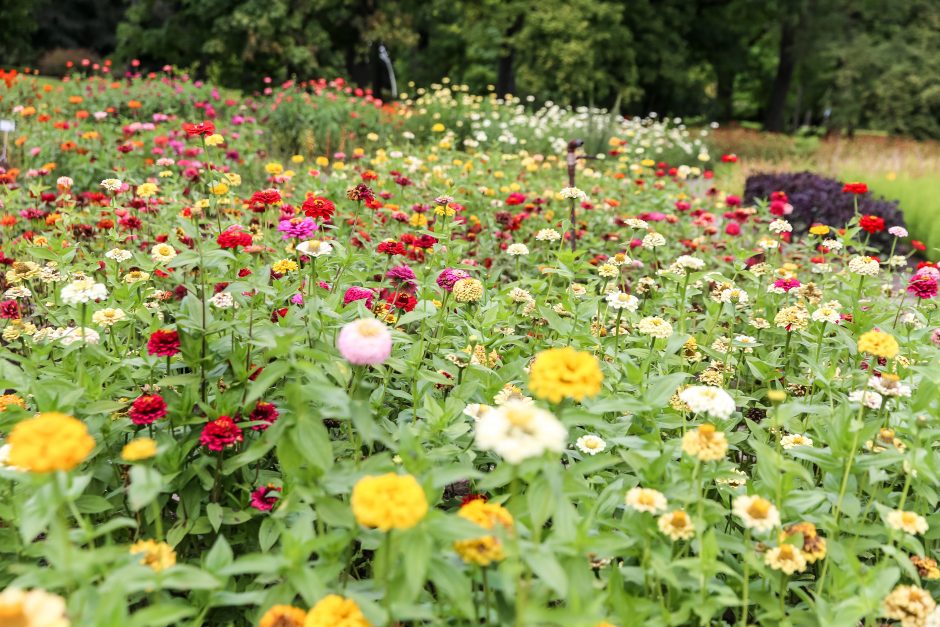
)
(902, 170)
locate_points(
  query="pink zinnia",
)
(365, 342)
(299, 228)
(922, 286)
(786, 284)
(266, 497)
(449, 276)
(355, 293)
(220, 434)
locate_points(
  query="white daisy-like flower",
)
(111, 185)
(869, 399)
(654, 326)
(908, 522)
(118, 254)
(517, 431)
(79, 334)
(548, 235)
(622, 300)
(864, 266)
(162, 253)
(826, 314)
(780, 226)
(688, 262)
(646, 500)
(83, 291)
(708, 399)
(477, 410)
(756, 513)
(517, 250)
(222, 300)
(314, 248)
(795, 439)
(590, 444)
(573, 193)
(653, 240)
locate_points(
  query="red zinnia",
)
(319, 207)
(872, 224)
(259, 200)
(265, 413)
(147, 409)
(918, 245)
(391, 248)
(922, 286)
(164, 343)
(233, 237)
(9, 310)
(203, 128)
(855, 188)
(220, 434)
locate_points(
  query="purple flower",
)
(402, 274)
(449, 276)
(299, 228)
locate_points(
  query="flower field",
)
(304, 358)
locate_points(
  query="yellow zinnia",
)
(879, 344)
(51, 441)
(389, 501)
(560, 373)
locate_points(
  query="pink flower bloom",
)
(449, 276)
(355, 293)
(266, 497)
(365, 342)
(922, 286)
(299, 228)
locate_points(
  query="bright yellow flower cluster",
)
(336, 611)
(879, 344)
(283, 616)
(156, 555)
(10, 400)
(51, 441)
(485, 549)
(146, 190)
(560, 373)
(138, 450)
(389, 501)
(284, 266)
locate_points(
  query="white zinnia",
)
(756, 513)
(118, 254)
(590, 444)
(622, 300)
(83, 291)
(708, 399)
(162, 253)
(314, 248)
(517, 431)
(517, 250)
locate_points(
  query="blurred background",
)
(845, 88)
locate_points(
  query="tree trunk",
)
(505, 70)
(776, 109)
(724, 98)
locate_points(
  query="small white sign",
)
(7, 126)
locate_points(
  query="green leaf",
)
(146, 484)
(214, 513)
(546, 567)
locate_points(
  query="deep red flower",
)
(729, 158)
(855, 188)
(202, 128)
(515, 198)
(263, 412)
(9, 310)
(220, 434)
(164, 343)
(918, 245)
(318, 207)
(265, 498)
(147, 409)
(872, 224)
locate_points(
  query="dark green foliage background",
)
(788, 64)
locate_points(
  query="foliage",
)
(817, 199)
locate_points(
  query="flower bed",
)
(393, 383)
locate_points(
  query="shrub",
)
(817, 199)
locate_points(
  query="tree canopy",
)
(844, 64)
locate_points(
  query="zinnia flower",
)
(645, 500)
(164, 343)
(708, 399)
(220, 434)
(449, 276)
(336, 611)
(677, 525)
(484, 550)
(705, 443)
(879, 344)
(266, 497)
(355, 293)
(32, 608)
(51, 441)
(909, 522)
(139, 450)
(147, 409)
(283, 616)
(157, 555)
(756, 513)
(519, 430)
(559, 373)
(786, 558)
(365, 342)
(389, 501)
